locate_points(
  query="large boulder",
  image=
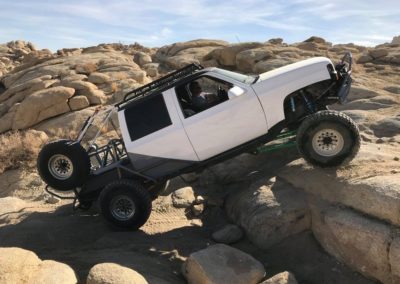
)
(98, 78)
(245, 60)
(377, 196)
(78, 102)
(66, 125)
(387, 127)
(112, 273)
(173, 49)
(396, 40)
(226, 56)
(142, 58)
(17, 265)
(11, 204)
(364, 58)
(228, 234)
(270, 64)
(219, 264)
(50, 272)
(362, 243)
(88, 90)
(24, 267)
(378, 52)
(42, 105)
(269, 211)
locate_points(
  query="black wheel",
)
(125, 204)
(328, 139)
(63, 164)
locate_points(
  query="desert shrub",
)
(86, 68)
(20, 149)
(114, 87)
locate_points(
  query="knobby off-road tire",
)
(125, 204)
(63, 165)
(328, 139)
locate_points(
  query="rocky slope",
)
(276, 199)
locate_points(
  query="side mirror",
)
(235, 92)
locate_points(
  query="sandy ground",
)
(83, 239)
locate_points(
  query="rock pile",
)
(103, 74)
(14, 53)
(23, 266)
(69, 81)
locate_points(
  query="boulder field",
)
(270, 218)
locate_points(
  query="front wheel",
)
(328, 139)
(125, 204)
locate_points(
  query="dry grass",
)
(114, 87)
(19, 150)
(86, 68)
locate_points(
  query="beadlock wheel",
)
(328, 142)
(328, 139)
(60, 167)
(125, 204)
(122, 207)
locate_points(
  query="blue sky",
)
(79, 23)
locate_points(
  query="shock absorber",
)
(292, 105)
(309, 104)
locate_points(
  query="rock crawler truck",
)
(163, 134)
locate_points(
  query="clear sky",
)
(56, 24)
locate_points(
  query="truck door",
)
(231, 122)
(154, 136)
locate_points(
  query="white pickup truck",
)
(196, 117)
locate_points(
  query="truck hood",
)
(307, 65)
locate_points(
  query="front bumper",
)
(344, 72)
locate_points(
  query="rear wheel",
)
(328, 139)
(125, 204)
(63, 165)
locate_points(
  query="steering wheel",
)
(222, 94)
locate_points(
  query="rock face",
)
(100, 74)
(11, 204)
(222, 264)
(396, 40)
(269, 211)
(23, 266)
(375, 196)
(42, 105)
(111, 273)
(361, 243)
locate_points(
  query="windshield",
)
(247, 79)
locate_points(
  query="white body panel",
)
(226, 125)
(229, 124)
(170, 142)
(273, 86)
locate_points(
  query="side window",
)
(146, 117)
(201, 94)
